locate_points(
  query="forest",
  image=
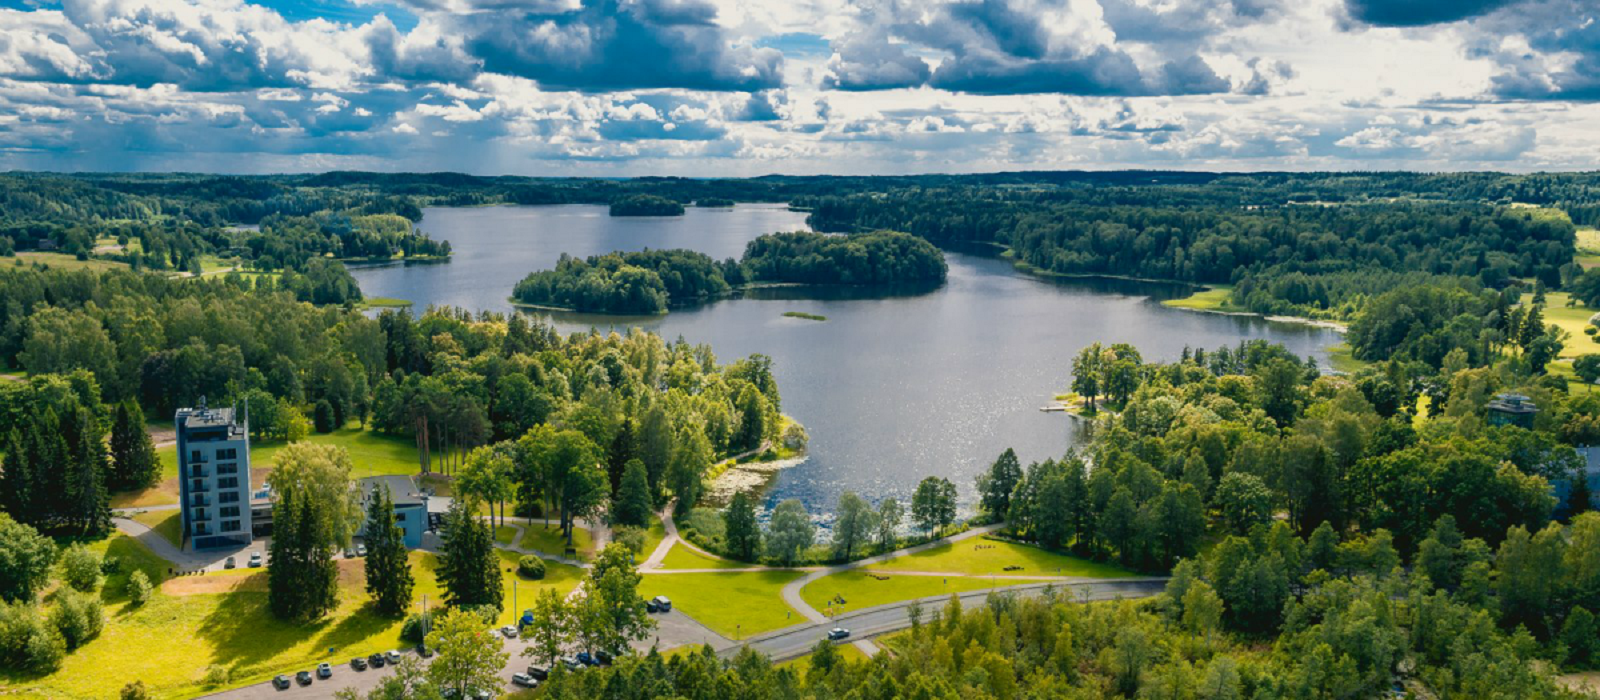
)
(651, 281)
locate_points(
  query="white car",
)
(255, 560)
(361, 550)
(509, 632)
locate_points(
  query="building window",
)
(194, 455)
(229, 453)
(230, 511)
(231, 482)
(230, 525)
(230, 468)
(228, 497)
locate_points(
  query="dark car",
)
(424, 652)
(358, 663)
(587, 659)
(229, 564)
(664, 603)
(280, 681)
(376, 660)
(303, 677)
(838, 633)
(324, 671)
(650, 606)
(524, 680)
(604, 657)
(539, 673)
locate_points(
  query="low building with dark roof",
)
(410, 504)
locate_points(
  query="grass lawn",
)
(384, 303)
(1572, 320)
(548, 539)
(731, 604)
(681, 557)
(165, 522)
(861, 590)
(371, 454)
(504, 534)
(654, 535)
(193, 622)
(965, 557)
(60, 261)
(1213, 298)
(1340, 357)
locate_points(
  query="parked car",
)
(324, 671)
(838, 633)
(229, 564)
(349, 552)
(424, 652)
(280, 681)
(394, 657)
(650, 606)
(524, 680)
(604, 657)
(539, 673)
(572, 663)
(509, 632)
(664, 603)
(587, 659)
(303, 677)
(361, 550)
(358, 663)
(255, 560)
(376, 660)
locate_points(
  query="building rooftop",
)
(202, 418)
(402, 489)
(1512, 403)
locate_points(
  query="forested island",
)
(651, 281)
(646, 205)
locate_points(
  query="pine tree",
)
(388, 571)
(468, 567)
(16, 477)
(633, 498)
(619, 456)
(90, 507)
(740, 528)
(133, 455)
(302, 579)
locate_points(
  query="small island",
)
(646, 205)
(714, 203)
(804, 315)
(648, 282)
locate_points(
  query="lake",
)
(891, 389)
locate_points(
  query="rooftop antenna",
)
(202, 403)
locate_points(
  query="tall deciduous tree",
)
(552, 628)
(487, 475)
(469, 569)
(25, 559)
(853, 525)
(1086, 374)
(133, 454)
(790, 532)
(611, 614)
(890, 514)
(388, 568)
(469, 656)
(322, 474)
(567, 463)
(740, 528)
(690, 459)
(933, 505)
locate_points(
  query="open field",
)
(371, 454)
(983, 556)
(60, 261)
(195, 622)
(802, 665)
(860, 590)
(1571, 319)
(731, 604)
(1213, 298)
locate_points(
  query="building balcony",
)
(197, 473)
(199, 501)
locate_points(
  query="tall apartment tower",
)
(214, 476)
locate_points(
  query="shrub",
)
(139, 588)
(135, 691)
(416, 627)
(322, 418)
(80, 568)
(110, 565)
(217, 674)
(530, 566)
(45, 649)
(631, 537)
(78, 616)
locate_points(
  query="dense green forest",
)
(1313, 244)
(649, 281)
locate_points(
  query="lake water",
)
(890, 389)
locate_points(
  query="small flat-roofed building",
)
(1512, 409)
(410, 504)
(214, 476)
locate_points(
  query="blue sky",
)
(750, 87)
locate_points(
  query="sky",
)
(753, 87)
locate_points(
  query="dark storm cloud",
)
(1417, 13)
(618, 45)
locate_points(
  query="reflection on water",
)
(891, 388)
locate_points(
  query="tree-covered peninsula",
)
(649, 281)
(646, 205)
